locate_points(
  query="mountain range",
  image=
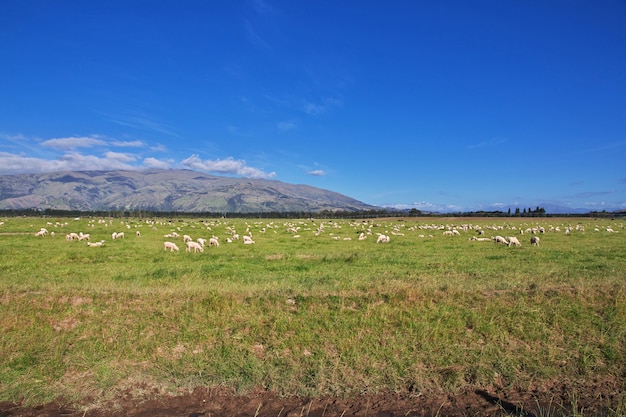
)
(165, 191)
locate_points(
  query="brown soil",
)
(594, 398)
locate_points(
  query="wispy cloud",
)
(263, 8)
(322, 106)
(71, 143)
(488, 143)
(142, 123)
(226, 166)
(317, 172)
(591, 194)
(285, 126)
(254, 37)
(128, 144)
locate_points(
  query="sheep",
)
(195, 246)
(171, 246)
(534, 240)
(383, 239)
(362, 236)
(480, 239)
(95, 244)
(41, 233)
(120, 235)
(187, 238)
(247, 240)
(448, 233)
(214, 242)
(138, 233)
(500, 239)
(114, 235)
(201, 241)
(82, 236)
(514, 242)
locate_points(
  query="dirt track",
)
(557, 399)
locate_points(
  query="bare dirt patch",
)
(594, 398)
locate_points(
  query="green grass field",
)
(310, 315)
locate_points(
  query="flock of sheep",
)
(336, 230)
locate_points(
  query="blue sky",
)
(438, 105)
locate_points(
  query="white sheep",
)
(214, 242)
(201, 241)
(120, 235)
(500, 239)
(383, 239)
(362, 236)
(534, 240)
(195, 246)
(138, 233)
(114, 235)
(247, 240)
(95, 244)
(514, 242)
(187, 238)
(171, 246)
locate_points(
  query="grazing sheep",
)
(247, 240)
(114, 235)
(480, 239)
(214, 242)
(534, 240)
(187, 238)
(500, 239)
(41, 233)
(95, 244)
(448, 233)
(195, 246)
(171, 246)
(362, 236)
(82, 236)
(383, 239)
(514, 242)
(137, 233)
(201, 241)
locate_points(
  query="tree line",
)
(323, 214)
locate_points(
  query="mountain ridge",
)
(165, 190)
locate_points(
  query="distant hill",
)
(165, 191)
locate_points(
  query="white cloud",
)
(317, 172)
(122, 157)
(226, 166)
(158, 148)
(73, 161)
(128, 144)
(71, 143)
(155, 163)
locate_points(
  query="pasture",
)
(308, 309)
